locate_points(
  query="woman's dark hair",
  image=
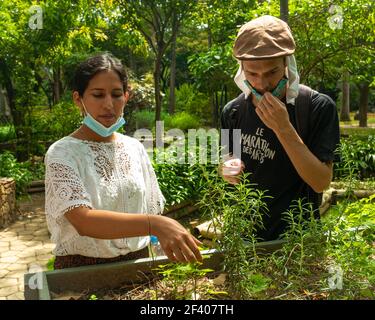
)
(93, 65)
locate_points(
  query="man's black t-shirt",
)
(268, 163)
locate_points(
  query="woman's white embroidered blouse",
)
(116, 176)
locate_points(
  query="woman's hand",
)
(177, 243)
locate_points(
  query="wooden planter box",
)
(112, 275)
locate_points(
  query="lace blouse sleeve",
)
(64, 187)
(154, 197)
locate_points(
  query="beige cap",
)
(265, 37)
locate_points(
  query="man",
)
(272, 149)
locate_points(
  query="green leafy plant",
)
(313, 252)
(191, 101)
(237, 211)
(304, 236)
(93, 297)
(50, 264)
(7, 133)
(357, 158)
(10, 167)
(182, 278)
(145, 119)
(185, 121)
(352, 227)
(181, 181)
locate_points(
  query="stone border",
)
(8, 211)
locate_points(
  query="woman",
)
(103, 200)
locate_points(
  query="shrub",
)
(357, 157)
(9, 167)
(142, 100)
(190, 100)
(178, 182)
(145, 119)
(7, 133)
(185, 121)
(181, 182)
(63, 119)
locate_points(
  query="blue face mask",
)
(275, 92)
(98, 128)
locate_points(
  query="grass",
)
(357, 131)
(352, 127)
(370, 118)
(366, 184)
(352, 122)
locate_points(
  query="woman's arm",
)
(177, 243)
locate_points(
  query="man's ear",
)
(286, 71)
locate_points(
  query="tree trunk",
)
(345, 108)
(364, 89)
(157, 87)
(57, 85)
(211, 93)
(132, 64)
(16, 115)
(214, 102)
(5, 113)
(284, 10)
(21, 130)
(172, 87)
(164, 74)
(209, 35)
(223, 102)
(47, 92)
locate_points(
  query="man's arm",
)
(316, 174)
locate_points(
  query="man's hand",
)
(273, 113)
(231, 170)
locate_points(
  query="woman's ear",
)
(77, 101)
(126, 96)
(76, 98)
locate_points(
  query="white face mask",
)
(98, 128)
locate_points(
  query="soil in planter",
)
(210, 287)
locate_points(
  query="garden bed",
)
(308, 265)
(128, 274)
